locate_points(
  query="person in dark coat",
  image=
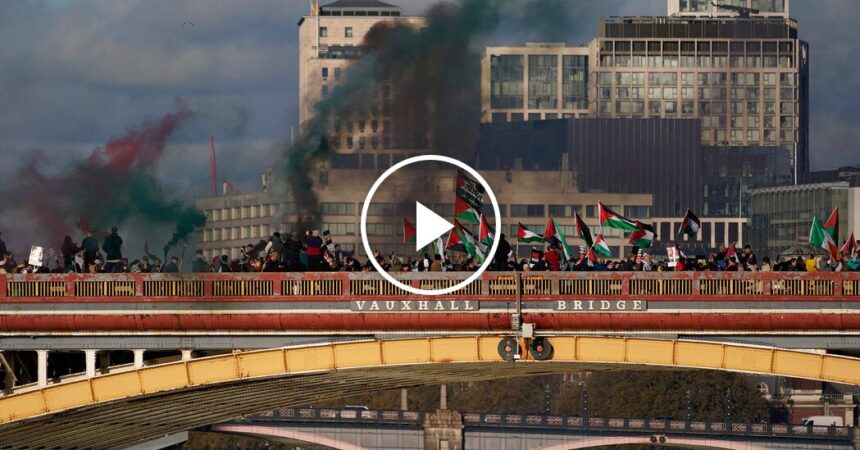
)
(90, 245)
(502, 252)
(113, 252)
(172, 266)
(199, 265)
(69, 249)
(2, 247)
(224, 264)
(314, 244)
(292, 248)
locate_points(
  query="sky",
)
(74, 74)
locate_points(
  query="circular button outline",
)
(422, 158)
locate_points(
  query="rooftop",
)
(359, 8)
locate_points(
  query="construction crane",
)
(742, 11)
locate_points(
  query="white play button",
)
(428, 226)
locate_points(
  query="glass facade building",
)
(782, 216)
(534, 82)
(746, 78)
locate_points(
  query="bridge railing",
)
(491, 285)
(495, 420)
(342, 415)
(653, 425)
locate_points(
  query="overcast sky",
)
(75, 73)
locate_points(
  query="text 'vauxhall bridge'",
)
(296, 338)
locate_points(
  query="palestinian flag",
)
(599, 248)
(469, 241)
(690, 225)
(850, 247)
(455, 243)
(485, 236)
(408, 232)
(644, 236)
(470, 198)
(465, 211)
(611, 219)
(553, 233)
(832, 225)
(819, 237)
(583, 232)
(525, 236)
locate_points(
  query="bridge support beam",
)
(443, 429)
(138, 358)
(186, 354)
(42, 368)
(90, 357)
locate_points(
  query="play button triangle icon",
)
(428, 226)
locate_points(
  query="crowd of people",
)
(308, 252)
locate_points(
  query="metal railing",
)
(596, 424)
(714, 286)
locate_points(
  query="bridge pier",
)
(42, 368)
(138, 358)
(443, 429)
(90, 357)
(186, 354)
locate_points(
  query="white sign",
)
(674, 253)
(37, 254)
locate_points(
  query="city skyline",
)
(238, 66)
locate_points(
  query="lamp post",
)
(689, 405)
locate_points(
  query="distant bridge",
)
(380, 430)
(136, 404)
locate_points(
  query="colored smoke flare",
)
(114, 186)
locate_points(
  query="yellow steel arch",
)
(394, 363)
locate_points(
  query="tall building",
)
(739, 67)
(534, 82)
(331, 39)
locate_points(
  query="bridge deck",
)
(359, 302)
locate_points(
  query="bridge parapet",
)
(491, 285)
(596, 424)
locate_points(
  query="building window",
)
(324, 90)
(527, 210)
(323, 32)
(574, 87)
(337, 209)
(506, 81)
(325, 72)
(380, 209)
(337, 73)
(543, 81)
(380, 229)
(347, 32)
(562, 210)
(637, 212)
(340, 229)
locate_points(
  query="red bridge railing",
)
(491, 286)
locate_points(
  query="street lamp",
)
(689, 404)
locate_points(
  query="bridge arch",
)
(141, 403)
(686, 442)
(293, 437)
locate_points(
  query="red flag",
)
(850, 247)
(732, 252)
(832, 225)
(408, 232)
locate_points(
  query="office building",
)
(781, 216)
(745, 74)
(654, 156)
(529, 197)
(331, 39)
(534, 82)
